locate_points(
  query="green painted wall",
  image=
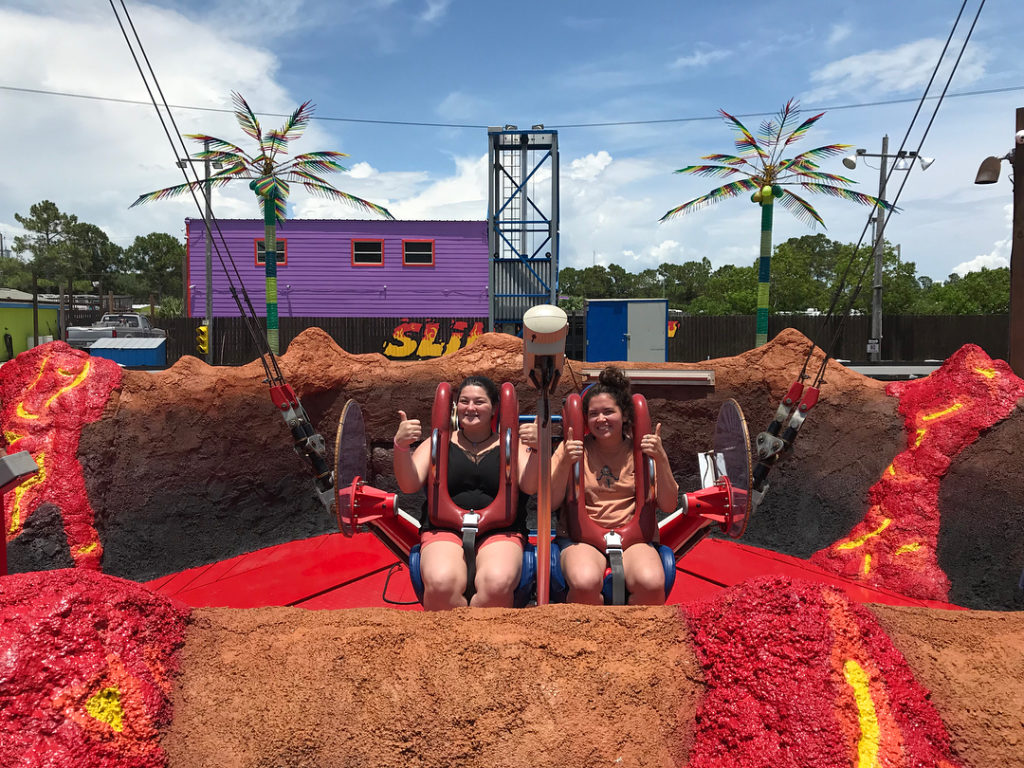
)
(16, 319)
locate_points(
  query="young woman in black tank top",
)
(473, 467)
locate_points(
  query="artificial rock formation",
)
(912, 487)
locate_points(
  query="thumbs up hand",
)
(651, 445)
(409, 431)
(573, 448)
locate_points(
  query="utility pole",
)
(208, 240)
(875, 354)
(1017, 255)
(208, 213)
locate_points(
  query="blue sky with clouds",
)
(562, 63)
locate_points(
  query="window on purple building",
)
(367, 253)
(282, 253)
(418, 253)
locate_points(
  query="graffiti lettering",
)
(673, 326)
(411, 340)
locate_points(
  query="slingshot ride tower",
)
(522, 223)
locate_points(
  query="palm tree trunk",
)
(270, 259)
(764, 272)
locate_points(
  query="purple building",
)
(347, 268)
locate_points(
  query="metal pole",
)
(554, 218)
(879, 254)
(209, 260)
(543, 497)
(492, 239)
(1017, 258)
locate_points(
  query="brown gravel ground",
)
(973, 663)
(558, 686)
(562, 685)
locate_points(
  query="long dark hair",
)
(612, 381)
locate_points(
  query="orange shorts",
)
(429, 537)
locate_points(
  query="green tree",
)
(171, 306)
(15, 273)
(53, 258)
(270, 176)
(730, 291)
(594, 282)
(766, 174)
(155, 262)
(685, 282)
(93, 257)
(976, 293)
(649, 284)
(623, 282)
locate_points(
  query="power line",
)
(425, 124)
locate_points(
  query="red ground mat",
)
(332, 571)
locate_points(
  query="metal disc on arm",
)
(350, 458)
(732, 454)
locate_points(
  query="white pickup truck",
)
(118, 325)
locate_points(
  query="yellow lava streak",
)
(867, 747)
(25, 414)
(21, 490)
(945, 412)
(20, 410)
(105, 706)
(988, 373)
(867, 564)
(78, 380)
(920, 436)
(909, 548)
(860, 542)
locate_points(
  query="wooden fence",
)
(908, 338)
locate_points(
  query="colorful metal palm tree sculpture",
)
(269, 175)
(766, 174)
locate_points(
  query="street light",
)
(208, 215)
(904, 159)
(904, 162)
(988, 173)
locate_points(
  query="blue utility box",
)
(634, 330)
(132, 353)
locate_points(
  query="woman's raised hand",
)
(573, 448)
(409, 431)
(651, 444)
(528, 435)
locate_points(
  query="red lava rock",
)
(86, 670)
(797, 675)
(895, 546)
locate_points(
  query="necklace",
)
(475, 451)
(475, 443)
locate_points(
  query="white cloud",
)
(461, 106)
(461, 196)
(898, 70)
(838, 33)
(700, 59)
(362, 171)
(998, 257)
(434, 11)
(105, 154)
(590, 167)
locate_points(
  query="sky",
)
(407, 88)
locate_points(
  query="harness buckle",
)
(612, 541)
(471, 521)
